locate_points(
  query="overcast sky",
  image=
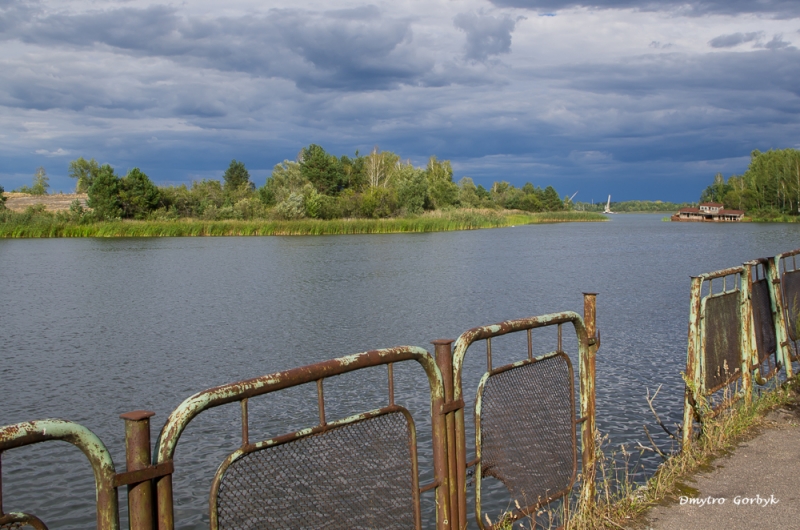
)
(639, 99)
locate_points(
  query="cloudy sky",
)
(640, 99)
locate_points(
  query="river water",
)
(92, 328)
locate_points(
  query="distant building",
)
(709, 211)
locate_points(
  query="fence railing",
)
(741, 332)
(362, 470)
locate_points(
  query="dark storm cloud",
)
(734, 39)
(349, 50)
(777, 8)
(486, 35)
(723, 73)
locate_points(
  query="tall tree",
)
(84, 171)
(323, 170)
(104, 196)
(236, 176)
(40, 182)
(380, 167)
(138, 195)
(441, 188)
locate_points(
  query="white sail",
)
(608, 206)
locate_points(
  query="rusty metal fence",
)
(105, 476)
(787, 275)
(362, 471)
(525, 421)
(740, 333)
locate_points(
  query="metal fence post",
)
(444, 360)
(692, 375)
(779, 313)
(587, 379)
(747, 342)
(137, 456)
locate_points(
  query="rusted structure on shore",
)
(362, 470)
(709, 211)
(743, 330)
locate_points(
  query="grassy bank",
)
(19, 226)
(620, 501)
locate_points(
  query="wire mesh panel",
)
(527, 429)
(722, 331)
(764, 323)
(791, 298)
(354, 476)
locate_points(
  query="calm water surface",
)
(92, 328)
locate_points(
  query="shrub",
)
(292, 207)
(104, 194)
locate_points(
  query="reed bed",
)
(45, 227)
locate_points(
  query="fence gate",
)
(767, 357)
(720, 344)
(525, 419)
(105, 476)
(748, 323)
(359, 472)
(788, 276)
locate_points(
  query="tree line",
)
(771, 184)
(316, 185)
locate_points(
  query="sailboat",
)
(608, 206)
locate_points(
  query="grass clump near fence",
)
(621, 501)
(42, 225)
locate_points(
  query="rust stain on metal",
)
(28, 433)
(239, 391)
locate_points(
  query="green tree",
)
(354, 173)
(2, 198)
(322, 170)
(138, 195)
(441, 188)
(412, 188)
(380, 167)
(550, 200)
(236, 176)
(286, 178)
(104, 197)
(84, 171)
(40, 182)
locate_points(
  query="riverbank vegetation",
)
(319, 193)
(35, 222)
(768, 191)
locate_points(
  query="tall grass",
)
(621, 501)
(20, 226)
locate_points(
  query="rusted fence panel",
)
(767, 357)
(28, 433)
(357, 472)
(740, 331)
(720, 348)
(787, 276)
(722, 339)
(525, 422)
(763, 321)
